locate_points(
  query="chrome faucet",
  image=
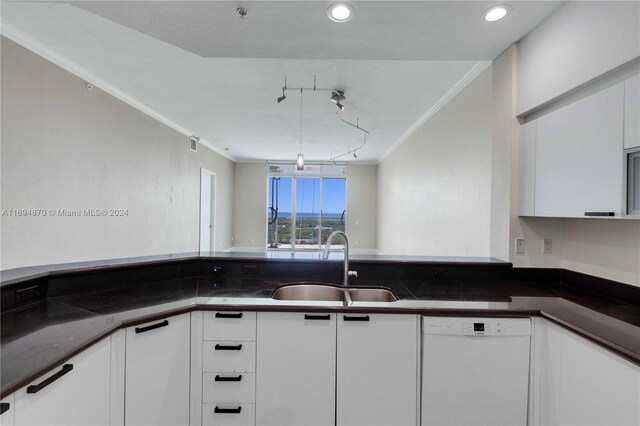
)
(325, 255)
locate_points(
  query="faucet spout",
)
(327, 248)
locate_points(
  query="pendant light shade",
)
(300, 162)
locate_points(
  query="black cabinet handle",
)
(317, 317)
(225, 315)
(227, 410)
(228, 379)
(4, 407)
(152, 326)
(599, 214)
(37, 388)
(358, 318)
(228, 347)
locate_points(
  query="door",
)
(157, 372)
(295, 372)
(77, 395)
(377, 369)
(207, 210)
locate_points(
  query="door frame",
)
(214, 191)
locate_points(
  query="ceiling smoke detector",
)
(340, 12)
(242, 12)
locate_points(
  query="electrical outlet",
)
(520, 245)
(546, 246)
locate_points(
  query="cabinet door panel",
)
(527, 169)
(377, 370)
(632, 112)
(295, 373)
(8, 407)
(79, 397)
(157, 373)
(579, 157)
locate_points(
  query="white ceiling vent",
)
(193, 143)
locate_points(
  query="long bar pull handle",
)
(227, 410)
(228, 379)
(152, 326)
(317, 317)
(37, 388)
(227, 315)
(607, 214)
(219, 347)
(356, 318)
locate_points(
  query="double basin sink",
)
(332, 293)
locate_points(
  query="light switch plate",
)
(520, 245)
(546, 246)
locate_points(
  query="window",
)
(304, 207)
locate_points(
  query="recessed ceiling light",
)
(496, 13)
(340, 12)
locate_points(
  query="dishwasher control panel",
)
(477, 326)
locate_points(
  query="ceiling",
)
(199, 65)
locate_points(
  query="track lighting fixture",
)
(354, 155)
(283, 97)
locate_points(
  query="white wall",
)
(578, 42)
(250, 227)
(64, 147)
(434, 190)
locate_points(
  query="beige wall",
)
(434, 190)
(251, 201)
(250, 228)
(64, 147)
(362, 205)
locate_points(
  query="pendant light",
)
(300, 159)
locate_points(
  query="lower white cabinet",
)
(581, 383)
(6, 411)
(76, 393)
(296, 369)
(157, 372)
(377, 369)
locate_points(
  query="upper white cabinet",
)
(527, 170)
(157, 372)
(632, 112)
(377, 369)
(581, 383)
(578, 158)
(296, 369)
(76, 393)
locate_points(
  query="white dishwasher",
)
(475, 371)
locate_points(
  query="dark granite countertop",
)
(79, 310)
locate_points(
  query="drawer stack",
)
(228, 368)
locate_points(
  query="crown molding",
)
(451, 93)
(40, 49)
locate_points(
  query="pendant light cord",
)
(300, 143)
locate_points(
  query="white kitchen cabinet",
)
(578, 161)
(582, 383)
(8, 408)
(295, 371)
(527, 169)
(76, 393)
(157, 372)
(632, 112)
(377, 369)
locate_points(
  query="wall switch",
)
(546, 246)
(520, 245)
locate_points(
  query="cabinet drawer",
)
(229, 326)
(240, 414)
(228, 387)
(229, 356)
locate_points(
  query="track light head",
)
(354, 155)
(283, 97)
(340, 106)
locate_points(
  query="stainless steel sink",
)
(310, 291)
(371, 295)
(332, 293)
